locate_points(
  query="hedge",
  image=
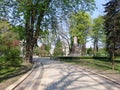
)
(84, 57)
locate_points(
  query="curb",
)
(103, 76)
(106, 77)
(19, 81)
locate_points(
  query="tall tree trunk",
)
(95, 47)
(83, 49)
(29, 46)
(31, 23)
(29, 53)
(112, 58)
(113, 48)
(29, 36)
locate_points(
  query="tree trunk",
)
(113, 63)
(95, 47)
(31, 24)
(29, 53)
(83, 49)
(30, 42)
(113, 49)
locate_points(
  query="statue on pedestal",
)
(75, 50)
(75, 41)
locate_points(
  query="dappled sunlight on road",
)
(61, 76)
(55, 75)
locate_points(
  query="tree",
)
(89, 51)
(37, 13)
(8, 47)
(79, 26)
(4, 27)
(20, 31)
(112, 29)
(97, 33)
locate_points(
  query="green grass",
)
(95, 63)
(7, 71)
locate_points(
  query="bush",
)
(12, 57)
(102, 54)
(58, 51)
(73, 57)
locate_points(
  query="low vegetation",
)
(102, 64)
(11, 64)
(8, 71)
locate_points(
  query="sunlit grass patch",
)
(95, 63)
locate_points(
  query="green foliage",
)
(97, 33)
(12, 57)
(18, 8)
(112, 27)
(79, 26)
(58, 51)
(47, 48)
(4, 26)
(37, 15)
(20, 30)
(90, 51)
(102, 52)
(8, 52)
(36, 51)
(100, 64)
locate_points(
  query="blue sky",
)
(100, 8)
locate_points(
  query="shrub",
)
(12, 57)
(102, 54)
(58, 51)
(73, 57)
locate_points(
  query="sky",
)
(100, 8)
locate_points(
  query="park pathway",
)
(56, 75)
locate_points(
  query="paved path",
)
(55, 75)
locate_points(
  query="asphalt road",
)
(55, 75)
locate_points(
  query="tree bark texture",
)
(95, 47)
(33, 22)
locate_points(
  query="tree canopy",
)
(112, 28)
(80, 24)
(98, 33)
(38, 15)
(9, 50)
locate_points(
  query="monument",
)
(75, 50)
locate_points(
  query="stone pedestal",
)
(75, 50)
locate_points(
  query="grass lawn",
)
(8, 71)
(10, 74)
(95, 63)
